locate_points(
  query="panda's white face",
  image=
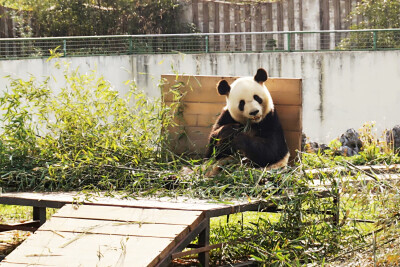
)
(248, 100)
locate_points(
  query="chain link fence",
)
(287, 41)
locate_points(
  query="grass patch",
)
(14, 213)
(11, 213)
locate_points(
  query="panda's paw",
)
(240, 142)
(214, 169)
(229, 130)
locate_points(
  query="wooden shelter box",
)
(196, 105)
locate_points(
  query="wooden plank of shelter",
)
(103, 235)
(202, 104)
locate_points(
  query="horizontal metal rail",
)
(233, 42)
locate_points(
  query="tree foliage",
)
(103, 17)
(377, 14)
(374, 14)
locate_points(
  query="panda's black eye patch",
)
(258, 99)
(241, 105)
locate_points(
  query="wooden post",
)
(247, 26)
(227, 26)
(359, 17)
(270, 42)
(300, 8)
(216, 27)
(258, 26)
(324, 18)
(347, 10)
(238, 28)
(195, 12)
(2, 23)
(292, 41)
(204, 240)
(280, 25)
(337, 20)
(206, 17)
(39, 214)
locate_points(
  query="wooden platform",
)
(107, 236)
(117, 232)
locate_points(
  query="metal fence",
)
(286, 41)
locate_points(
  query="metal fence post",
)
(374, 33)
(207, 43)
(65, 47)
(130, 45)
(289, 37)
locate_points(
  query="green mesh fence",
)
(288, 41)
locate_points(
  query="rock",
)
(348, 151)
(312, 147)
(351, 143)
(303, 141)
(393, 137)
(323, 147)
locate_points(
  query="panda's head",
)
(247, 99)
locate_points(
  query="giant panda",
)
(248, 124)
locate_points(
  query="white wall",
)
(341, 90)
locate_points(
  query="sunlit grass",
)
(14, 213)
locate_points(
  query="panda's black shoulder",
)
(224, 118)
(270, 122)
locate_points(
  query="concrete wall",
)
(341, 90)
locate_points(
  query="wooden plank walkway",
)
(105, 236)
(114, 231)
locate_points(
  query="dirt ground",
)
(384, 254)
(9, 240)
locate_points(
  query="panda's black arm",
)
(219, 132)
(210, 147)
(262, 151)
(220, 140)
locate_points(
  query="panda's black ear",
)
(261, 76)
(223, 87)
